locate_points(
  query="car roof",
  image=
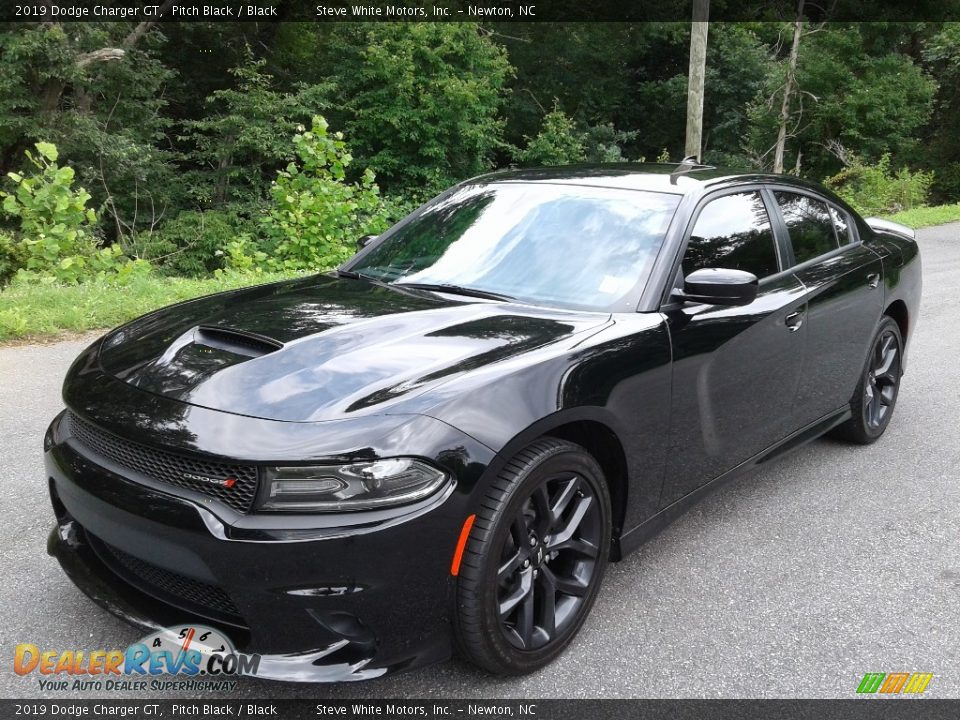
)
(675, 178)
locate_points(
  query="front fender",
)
(619, 378)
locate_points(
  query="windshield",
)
(571, 246)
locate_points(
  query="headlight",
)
(360, 486)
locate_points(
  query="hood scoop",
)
(197, 355)
(238, 342)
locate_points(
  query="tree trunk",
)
(698, 66)
(49, 95)
(780, 147)
(224, 166)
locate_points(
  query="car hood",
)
(323, 348)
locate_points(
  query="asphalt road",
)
(793, 582)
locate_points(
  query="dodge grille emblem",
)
(222, 482)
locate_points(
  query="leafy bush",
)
(557, 143)
(875, 189)
(946, 183)
(13, 322)
(57, 237)
(396, 207)
(11, 256)
(193, 243)
(604, 143)
(56, 226)
(241, 256)
(317, 215)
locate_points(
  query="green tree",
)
(558, 143)
(96, 91)
(603, 143)
(421, 101)
(585, 68)
(245, 134)
(856, 89)
(737, 67)
(941, 53)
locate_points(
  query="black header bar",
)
(487, 11)
(894, 708)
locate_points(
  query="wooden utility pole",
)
(784, 118)
(698, 66)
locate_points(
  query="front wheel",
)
(534, 559)
(876, 394)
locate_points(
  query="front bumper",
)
(318, 604)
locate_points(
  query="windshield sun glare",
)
(570, 246)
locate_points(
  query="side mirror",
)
(364, 241)
(719, 286)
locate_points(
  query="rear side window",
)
(842, 225)
(810, 224)
(733, 232)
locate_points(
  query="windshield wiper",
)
(455, 290)
(354, 275)
(351, 274)
(433, 287)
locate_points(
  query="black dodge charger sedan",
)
(438, 447)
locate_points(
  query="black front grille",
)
(187, 593)
(188, 472)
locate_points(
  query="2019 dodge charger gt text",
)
(439, 446)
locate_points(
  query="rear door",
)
(736, 370)
(844, 297)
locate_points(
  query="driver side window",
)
(733, 232)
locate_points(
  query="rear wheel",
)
(876, 395)
(534, 560)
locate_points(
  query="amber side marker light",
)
(461, 544)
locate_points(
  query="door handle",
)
(794, 320)
(873, 279)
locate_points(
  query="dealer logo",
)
(195, 651)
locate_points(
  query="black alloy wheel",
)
(548, 560)
(535, 558)
(876, 395)
(883, 378)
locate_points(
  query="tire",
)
(876, 395)
(542, 531)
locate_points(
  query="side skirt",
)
(650, 527)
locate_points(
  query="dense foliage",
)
(877, 189)
(557, 143)
(55, 238)
(317, 215)
(178, 146)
